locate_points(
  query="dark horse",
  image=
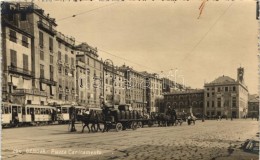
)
(94, 119)
(162, 119)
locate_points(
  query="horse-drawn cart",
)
(121, 119)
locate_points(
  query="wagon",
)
(122, 118)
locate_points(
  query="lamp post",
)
(113, 79)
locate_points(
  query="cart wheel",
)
(150, 123)
(134, 125)
(140, 125)
(119, 127)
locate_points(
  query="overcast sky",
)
(160, 36)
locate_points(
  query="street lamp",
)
(113, 79)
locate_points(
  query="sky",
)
(167, 37)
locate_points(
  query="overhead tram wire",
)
(88, 11)
(196, 45)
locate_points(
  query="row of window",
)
(220, 89)
(225, 104)
(13, 60)
(13, 38)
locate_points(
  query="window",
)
(23, 16)
(226, 89)
(219, 102)
(41, 55)
(41, 39)
(207, 94)
(25, 41)
(59, 55)
(207, 89)
(60, 96)
(51, 59)
(234, 88)
(218, 89)
(25, 62)
(81, 82)
(234, 102)
(41, 71)
(13, 36)
(88, 61)
(213, 93)
(51, 44)
(51, 72)
(72, 61)
(13, 58)
(66, 48)
(207, 103)
(213, 104)
(60, 69)
(66, 71)
(66, 58)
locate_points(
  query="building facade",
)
(187, 101)
(135, 88)
(253, 106)
(153, 92)
(31, 19)
(89, 90)
(226, 96)
(114, 85)
(66, 69)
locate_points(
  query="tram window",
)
(23, 110)
(64, 110)
(42, 111)
(6, 110)
(19, 109)
(47, 111)
(58, 109)
(37, 111)
(28, 110)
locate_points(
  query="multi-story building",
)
(114, 85)
(169, 85)
(135, 85)
(92, 90)
(226, 96)
(66, 69)
(81, 80)
(253, 106)
(31, 19)
(153, 92)
(185, 101)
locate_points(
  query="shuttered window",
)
(41, 39)
(25, 62)
(51, 44)
(13, 58)
(13, 36)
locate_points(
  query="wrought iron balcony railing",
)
(21, 71)
(46, 28)
(29, 91)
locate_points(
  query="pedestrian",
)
(72, 112)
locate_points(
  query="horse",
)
(94, 119)
(163, 119)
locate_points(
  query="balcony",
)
(48, 81)
(46, 28)
(29, 92)
(67, 90)
(20, 71)
(69, 41)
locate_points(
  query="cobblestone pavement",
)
(205, 140)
